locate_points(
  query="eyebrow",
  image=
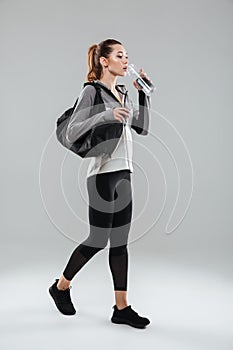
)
(123, 52)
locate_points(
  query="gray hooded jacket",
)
(80, 122)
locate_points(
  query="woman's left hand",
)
(143, 75)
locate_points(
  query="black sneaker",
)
(129, 316)
(62, 299)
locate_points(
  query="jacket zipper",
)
(124, 126)
(127, 153)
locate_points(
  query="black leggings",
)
(110, 213)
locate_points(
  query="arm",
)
(140, 121)
(80, 121)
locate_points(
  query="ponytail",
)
(94, 68)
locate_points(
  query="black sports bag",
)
(93, 142)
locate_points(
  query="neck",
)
(109, 81)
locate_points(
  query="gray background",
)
(181, 281)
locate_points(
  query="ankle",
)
(122, 306)
(63, 284)
(61, 288)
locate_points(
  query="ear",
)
(104, 61)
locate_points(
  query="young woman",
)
(108, 178)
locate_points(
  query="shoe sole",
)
(124, 321)
(51, 293)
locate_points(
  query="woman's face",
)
(117, 62)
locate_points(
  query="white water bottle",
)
(146, 86)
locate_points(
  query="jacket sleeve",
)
(80, 121)
(141, 116)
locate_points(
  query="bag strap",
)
(98, 88)
(98, 105)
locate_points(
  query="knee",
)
(119, 250)
(88, 251)
(98, 238)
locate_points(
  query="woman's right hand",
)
(121, 113)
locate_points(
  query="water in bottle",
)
(146, 86)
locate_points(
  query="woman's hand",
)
(121, 113)
(143, 75)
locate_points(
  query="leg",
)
(118, 252)
(118, 262)
(121, 299)
(80, 256)
(101, 205)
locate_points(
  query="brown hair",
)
(104, 48)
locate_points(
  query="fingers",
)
(124, 109)
(136, 85)
(122, 120)
(144, 75)
(121, 114)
